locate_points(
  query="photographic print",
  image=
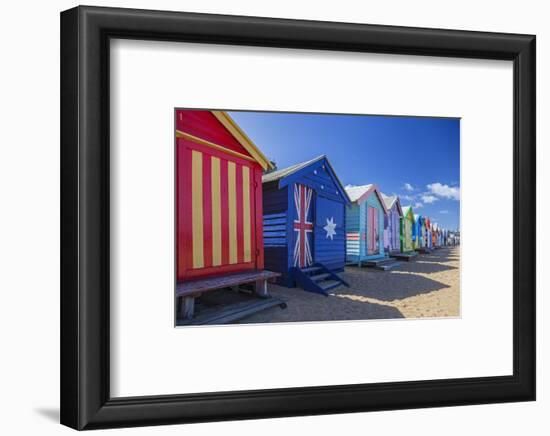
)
(296, 217)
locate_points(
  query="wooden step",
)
(317, 278)
(387, 265)
(321, 277)
(376, 262)
(405, 256)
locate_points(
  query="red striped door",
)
(216, 212)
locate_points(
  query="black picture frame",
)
(85, 399)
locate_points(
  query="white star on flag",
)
(329, 228)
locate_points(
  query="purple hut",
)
(392, 220)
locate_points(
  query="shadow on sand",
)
(306, 307)
(442, 255)
(425, 266)
(390, 286)
(369, 296)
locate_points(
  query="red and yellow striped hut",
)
(219, 196)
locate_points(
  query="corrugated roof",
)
(279, 174)
(355, 192)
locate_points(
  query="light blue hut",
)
(365, 224)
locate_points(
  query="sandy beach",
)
(426, 287)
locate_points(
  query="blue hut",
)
(365, 225)
(421, 234)
(304, 225)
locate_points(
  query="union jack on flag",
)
(303, 228)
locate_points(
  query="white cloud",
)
(445, 191)
(408, 187)
(407, 197)
(418, 205)
(445, 211)
(426, 198)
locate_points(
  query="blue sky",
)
(416, 158)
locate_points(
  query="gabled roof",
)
(390, 201)
(280, 174)
(230, 129)
(228, 122)
(356, 192)
(287, 175)
(359, 194)
(407, 210)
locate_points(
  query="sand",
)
(426, 287)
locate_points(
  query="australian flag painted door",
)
(303, 226)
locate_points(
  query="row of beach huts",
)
(241, 221)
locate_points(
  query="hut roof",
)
(407, 210)
(280, 174)
(390, 201)
(228, 122)
(360, 193)
(356, 192)
(231, 130)
(284, 175)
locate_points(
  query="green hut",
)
(406, 229)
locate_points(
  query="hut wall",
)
(353, 233)
(218, 230)
(393, 229)
(328, 203)
(330, 251)
(407, 229)
(275, 229)
(386, 232)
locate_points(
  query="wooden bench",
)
(188, 291)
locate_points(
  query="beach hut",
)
(392, 220)
(414, 230)
(365, 228)
(218, 207)
(304, 225)
(435, 235)
(420, 225)
(406, 230)
(428, 225)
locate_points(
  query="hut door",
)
(373, 229)
(395, 232)
(216, 212)
(408, 235)
(303, 226)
